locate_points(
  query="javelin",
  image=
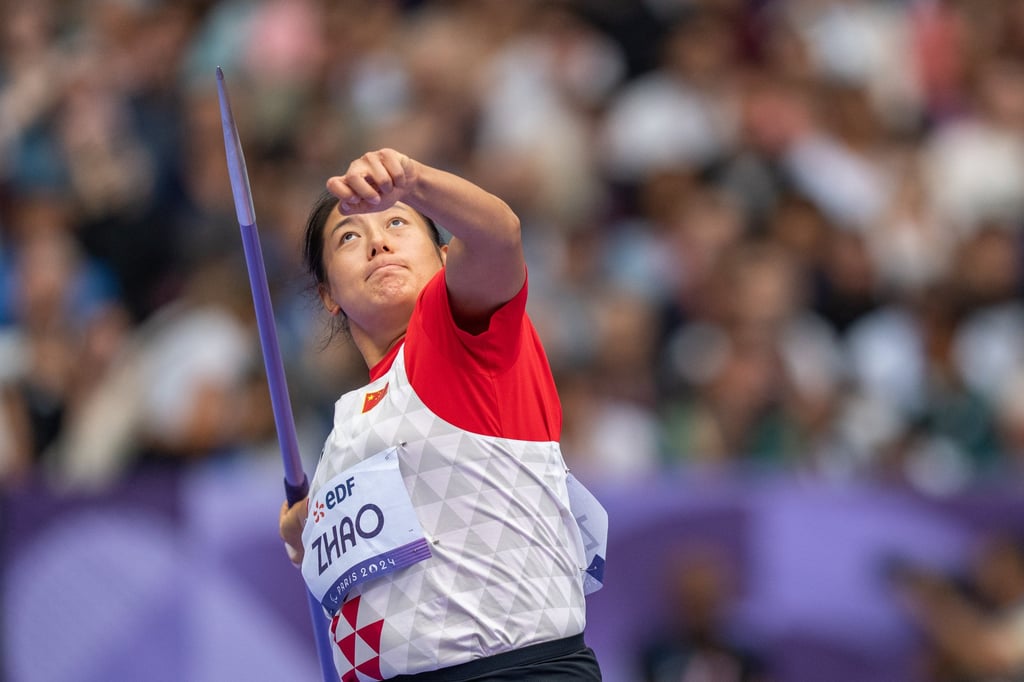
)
(296, 485)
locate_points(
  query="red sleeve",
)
(496, 383)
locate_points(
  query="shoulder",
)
(495, 383)
(493, 347)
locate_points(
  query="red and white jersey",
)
(478, 419)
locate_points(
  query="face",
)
(376, 264)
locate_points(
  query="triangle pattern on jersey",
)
(363, 652)
(479, 544)
(371, 634)
(412, 428)
(428, 514)
(490, 606)
(455, 537)
(350, 611)
(367, 615)
(394, 645)
(539, 456)
(445, 576)
(460, 485)
(423, 648)
(454, 620)
(441, 431)
(423, 420)
(486, 569)
(478, 493)
(433, 453)
(562, 591)
(435, 479)
(527, 486)
(398, 601)
(511, 561)
(510, 539)
(422, 493)
(348, 647)
(500, 471)
(385, 428)
(453, 517)
(371, 668)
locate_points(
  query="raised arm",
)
(485, 265)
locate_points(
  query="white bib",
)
(361, 525)
(592, 520)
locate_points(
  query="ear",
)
(325, 297)
(444, 255)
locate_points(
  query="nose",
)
(378, 243)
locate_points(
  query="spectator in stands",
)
(974, 631)
(699, 645)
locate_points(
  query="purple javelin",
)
(293, 473)
(295, 482)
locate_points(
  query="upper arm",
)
(495, 381)
(481, 276)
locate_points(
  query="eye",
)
(347, 237)
(396, 222)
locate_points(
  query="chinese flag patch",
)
(370, 400)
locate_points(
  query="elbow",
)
(510, 227)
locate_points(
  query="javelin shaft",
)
(295, 482)
(279, 399)
(295, 477)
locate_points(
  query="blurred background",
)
(775, 256)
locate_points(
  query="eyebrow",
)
(342, 223)
(347, 219)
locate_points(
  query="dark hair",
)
(313, 247)
(313, 244)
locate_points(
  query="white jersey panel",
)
(507, 558)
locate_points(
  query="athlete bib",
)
(592, 520)
(361, 526)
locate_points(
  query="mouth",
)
(384, 268)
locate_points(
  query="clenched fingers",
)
(373, 182)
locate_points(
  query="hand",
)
(373, 182)
(291, 523)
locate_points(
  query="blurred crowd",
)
(765, 235)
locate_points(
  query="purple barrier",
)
(166, 578)
(183, 576)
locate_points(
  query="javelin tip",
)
(236, 160)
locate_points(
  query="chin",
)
(394, 291)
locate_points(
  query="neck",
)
(374, 335)
(374, 348)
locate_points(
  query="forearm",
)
(469, 212)
(484, 262)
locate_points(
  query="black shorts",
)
(561, 660)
